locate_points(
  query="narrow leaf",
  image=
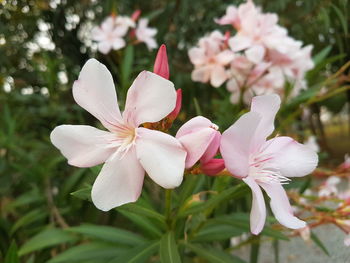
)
(12, 254)
(319, 243)
(168, 249)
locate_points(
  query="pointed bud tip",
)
(161, 65)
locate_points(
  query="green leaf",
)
(320, 56)
(217, 232)
(28, 218)
(241, 221)
(138, 254)
(319, 243)
(12, 254)
(213, 255)
(94, 251)
(228, 194)
(146, 225)
(107, 233)
(168, 249)
(47, 238)
(84, 194)
(144, 211)
(342, 18)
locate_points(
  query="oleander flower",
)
(110, 34)
(266, 164)
(146, 34)
(126, 149)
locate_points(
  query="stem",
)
(168, 193)
(254, 250)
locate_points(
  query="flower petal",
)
(255, 53)
(239, 43)
(193, 125)
(281, 207)
(196, 143)
(82, 145)
(236, 143)
(258, 211)
(218, 76)
(267, 106)
(119, 182)
(94, 91)
(293, 159)
(213, 148)
(149, 99)
(162, 156)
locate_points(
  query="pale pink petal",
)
(119, 182)
(108, 24)
(218, 76)
(201, 74)
(239, 43)
(196, 143)
(290, 157)
(97, 34)
(94, 91)
(162, 156)
(281, 207)
(231, 17)
(213, 148)
(258, 211)
(104, 47)
(193, 125)
(82, 145)
(236, 143)
(225, 57)
(267, 106)
(150, 98)
(255, 53)
(197, 56)
(118, 43)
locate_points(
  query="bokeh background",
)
(43, 45)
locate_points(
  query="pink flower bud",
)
(213, 166)
(175, 112)
(136, 15)
(161, 66)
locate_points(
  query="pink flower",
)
(200, 138)
(110, 34)
(146, 34)
(127, 149)
(346, 164)
(210, 59)
(265, 163)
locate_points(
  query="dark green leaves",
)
(168, 249)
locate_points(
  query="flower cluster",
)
(258, 59)
(136, 141)
(111, 34)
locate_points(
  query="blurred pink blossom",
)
(329, 187)
(266, 164)
(210, 58)
(146, 34)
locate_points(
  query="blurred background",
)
(43, 45)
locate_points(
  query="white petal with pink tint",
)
(162, 156)
(82, 145)
(236, 141)
(150, 98)
(196, 143)
(119, 182)
(197, 55)
(218, 76)
(267, 106)
(258, 211)
(201, 74)
(94, 91)
(239, 43)
(293, 159)
(281, 207)
(255, 53)
(212, 148)
(192, 125)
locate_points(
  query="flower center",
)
(263, 169)
(123, 139)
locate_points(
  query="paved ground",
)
(297, 251)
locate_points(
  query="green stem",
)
(168, 193)
(254, 250)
